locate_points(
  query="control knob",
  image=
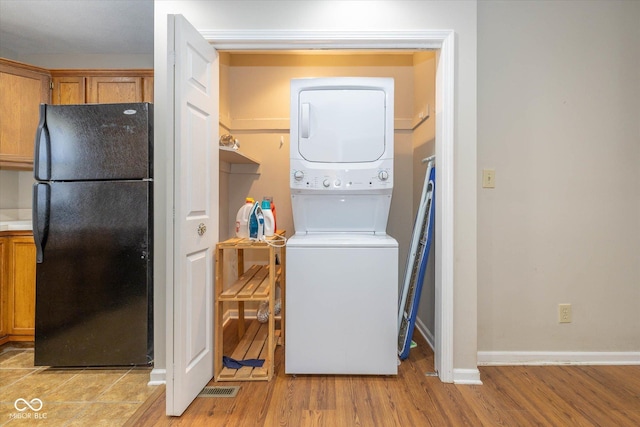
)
(383, 175)
(326, 183)
(298, 175)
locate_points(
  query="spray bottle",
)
(273, 211)
(269, 220)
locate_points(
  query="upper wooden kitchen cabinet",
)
(68, 90)
(101, 86)
(22, 89)
(108, 90)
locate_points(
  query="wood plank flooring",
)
(510, 396)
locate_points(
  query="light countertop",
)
(15, 225)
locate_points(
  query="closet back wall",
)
(254, 107)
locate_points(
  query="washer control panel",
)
(342, 179)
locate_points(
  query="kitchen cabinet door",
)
(68, 90)
(4, 285)
(147, 89)
(109, 90)
(97, 86)
(23, 88)
(21, 272)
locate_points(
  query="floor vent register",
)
(219, 391)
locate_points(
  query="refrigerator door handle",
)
(42, 155)
(41, 205)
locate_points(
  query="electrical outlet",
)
(564, 313)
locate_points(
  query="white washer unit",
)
(342, 267)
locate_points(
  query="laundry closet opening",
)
(255, 109)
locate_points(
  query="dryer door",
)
(341, 125)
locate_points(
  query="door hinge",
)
(51, 85)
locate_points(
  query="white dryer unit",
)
(342, 267)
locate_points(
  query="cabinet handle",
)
(202, 229)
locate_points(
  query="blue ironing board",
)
(417, 262)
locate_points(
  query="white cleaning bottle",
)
(269, 220)
(242, 218)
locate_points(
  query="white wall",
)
(15, 189)
(259, 98)
(558, 119)
(9, 189)
(461, 16)
(424, 145)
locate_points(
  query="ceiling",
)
(86, 27)
(32, 27)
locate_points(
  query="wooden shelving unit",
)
(257, 283)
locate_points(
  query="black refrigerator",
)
(92, 225)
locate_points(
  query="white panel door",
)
(195, 214)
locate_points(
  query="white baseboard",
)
(497, 358)
(157, 377)
(426, 333)
(466, 376)
(460, 376)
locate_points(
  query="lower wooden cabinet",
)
(18, 287)
(4, 330)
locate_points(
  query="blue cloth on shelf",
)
(237, 364)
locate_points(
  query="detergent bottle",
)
(256, 222)
(269, 220)
(242, 218)
(273, 211)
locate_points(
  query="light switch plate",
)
(488, 178)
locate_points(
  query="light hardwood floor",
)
(509, 396)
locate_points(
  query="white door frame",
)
(444, 42)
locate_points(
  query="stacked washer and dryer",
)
(342, 267)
